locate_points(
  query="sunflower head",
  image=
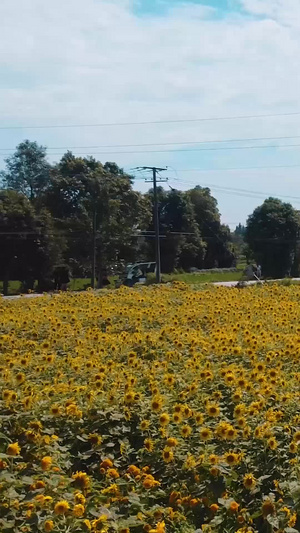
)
(249, 482)
(61, 507)
(167, 455)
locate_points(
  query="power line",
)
(224, 169)
(146, 233)
(210, 141)
(234, 168)
(150, 234)
(241, 192)
(247, 195)
(230, 148)
(236, 191)
(178, 233)
(172, 121)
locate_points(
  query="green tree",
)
(27, 241)
(238, 240)
(240, 230)
(81, 188)
(272, 233)
(181, 244)
(27, 170)
(216, 235)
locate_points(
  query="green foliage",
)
(271, 234)
(193, 233)
(238, 240)
(151, 279)
(202, 278)
(217, 236)
(68, 198)
(27, 170)
(82, 187)
(27, 242)
(240, 230)
(182, 245)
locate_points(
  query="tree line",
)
(53, 214)
(47, 212)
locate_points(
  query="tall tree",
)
(238, 240)
(240, 230)
(181, 245)
(27, 170)
(27, 242)
(216, 235)
(81, 188)
(272, 233)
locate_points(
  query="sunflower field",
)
(157, 409)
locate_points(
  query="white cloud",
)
(284, 11)
(95, 57)
(96, 61)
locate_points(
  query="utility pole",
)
(94, 250)
(156, 216)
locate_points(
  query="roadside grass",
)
(81, 284)
(206, 277)
(196, 278)
(76, 284)
(13, 287)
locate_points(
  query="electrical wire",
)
(230, 148)
(245, 195)
(232, 190)
(79, 234)
(146, 122)
(15, 234)
(239, 189)
(240, 192)
(210, 141)
(227, 169)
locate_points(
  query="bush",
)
(151, 279)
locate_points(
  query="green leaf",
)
(4, 437)
(217, 521)
(81, 438)
(27, 479)
(273, 521)
(262, 478)
(7, 525)
(133, 497)
(94, 513)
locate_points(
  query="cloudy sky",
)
(89, 62)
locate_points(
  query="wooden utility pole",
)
(154, 181)
(94, 250)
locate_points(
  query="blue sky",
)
(161, 7)
(140, 61)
